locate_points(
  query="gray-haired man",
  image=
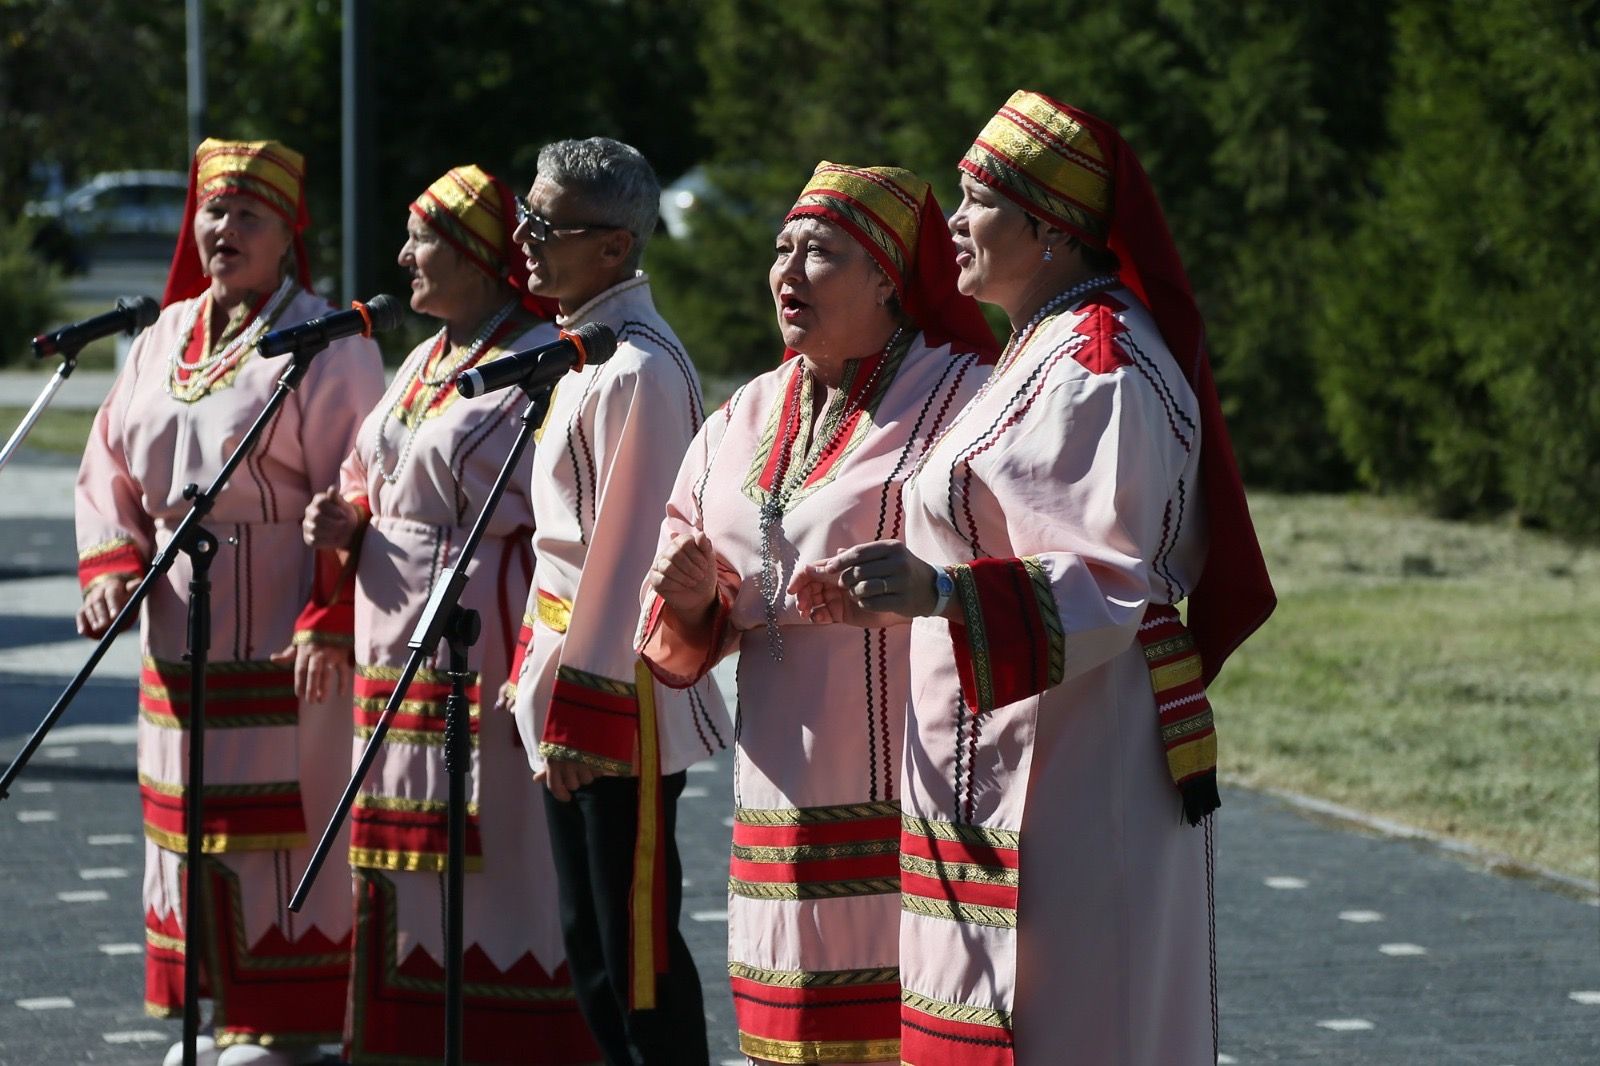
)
(612, 743)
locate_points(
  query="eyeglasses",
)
(542, 229)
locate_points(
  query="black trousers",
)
(592, 836)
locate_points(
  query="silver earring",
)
(1049, 254)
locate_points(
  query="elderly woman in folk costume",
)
(276, 688)
(423, 463)
(810, 456)
(1061, 760)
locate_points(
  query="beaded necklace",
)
(786, 482)
(206, 372)
(1012, 353)
(428, 389)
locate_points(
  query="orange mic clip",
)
(583, 352)
(366, 316)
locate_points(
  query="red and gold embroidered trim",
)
(265, 816)
(239, 695)
(935, 1031)
(647, 899)
(817, 1015)
(960, 873)
(399, 833)
(397, 1003)
(274, 992)
(1183, 711)
(815, 852)
(420, 718)
(114, 558)
(791, 435)
(593, 720)
(555, 612)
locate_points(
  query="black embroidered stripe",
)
(818, 1004)
(961, 725)
(679, 357)
(472, 441)
(883, 713)
(1162, 548)
(1152, 374)
(983, 442)
(972, 762)
(938, 1035)
(1177, 588)
(872, 724)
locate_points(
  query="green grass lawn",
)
(1439, 673)
(59, 430)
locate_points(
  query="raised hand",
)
(331, 521)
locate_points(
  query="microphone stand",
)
(461, 631)
(47, 345)
(69, 363)
(200, 545)
(438, 620)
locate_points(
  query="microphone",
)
(591, 342)
(376, 315)
(133, 313)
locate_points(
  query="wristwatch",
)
(944, 586)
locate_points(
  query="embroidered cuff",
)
(593, 720)
(1006, 604)
(117, 557)
(329, 617)
(679, 655)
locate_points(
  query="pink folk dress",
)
(1055, 903)
(273, 763)
(422, 466)
(814, 888)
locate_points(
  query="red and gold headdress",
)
(268, 171)
(892, 213)
(476, 214)
(1043, 156)
(1074, 171)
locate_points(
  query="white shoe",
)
(256, 1055)
(205, 1052)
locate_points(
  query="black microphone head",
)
(145, 311)
(385, 311)
(599, 343)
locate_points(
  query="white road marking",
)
(93, 734)
(1225, 1060)
(103, 873)
(1346, 1025)
(134, 1036)
(65, 751)
(36, 816)
(121, 949)
(34, 788)
(704, 768)
(1360, 917)
(694, 792)
(1588, 999)
(728, 822)
(710, 916)
(1285, 882)
(85, 895)
(1402, 950)
(107, 840)
(46, 1003)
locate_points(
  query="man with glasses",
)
(611, 743)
